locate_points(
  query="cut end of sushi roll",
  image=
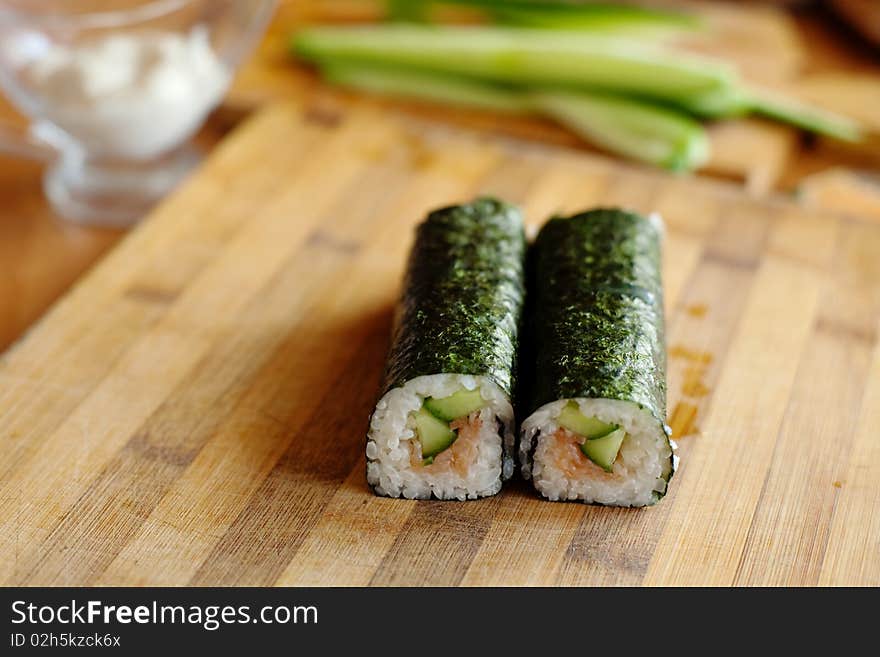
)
(448, 436)
(597, 451)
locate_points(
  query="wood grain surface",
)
(193, 412)
(807, 53)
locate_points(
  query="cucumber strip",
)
(524, 56)
(606, 24)
(727, 104)
(432, 87)
(638, 130)
(558, 14)
(605, 18)
(801, 115)
(561, 59)
(408, 10)
(627, 127)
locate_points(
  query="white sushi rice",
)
(640, 472)
(389, 470)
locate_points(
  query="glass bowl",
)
(116, 89)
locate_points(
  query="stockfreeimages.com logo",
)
(210, 617)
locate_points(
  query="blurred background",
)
(805, 127)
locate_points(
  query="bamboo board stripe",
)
(193, 411)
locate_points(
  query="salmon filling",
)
(564, 452)
(459, 456)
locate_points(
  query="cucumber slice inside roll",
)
(603, 451)
(434, 434)
(590, 427)
(459, 404)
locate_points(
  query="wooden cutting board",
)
(193, 411)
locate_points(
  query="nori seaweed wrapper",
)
(598, 311)
(462, 296)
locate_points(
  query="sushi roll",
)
(444, 424)
(597, 429)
